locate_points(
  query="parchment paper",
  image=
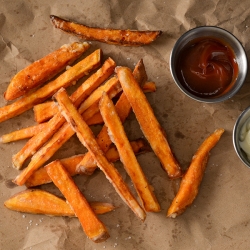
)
(219, 217)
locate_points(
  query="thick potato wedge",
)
(91, 225)
(40, 176)
(127, 156)
(24, 133)
(191, 181)
(110, 36)
(123, 108)
(152, 130)
(43, 70)
(38, 201)
(87, 138)
(61, 136)
(66, 79)
(80, 95)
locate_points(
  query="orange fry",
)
(97, 118)
(191, 181)
(38, 201)
(62, 135)
(123, 108)
(78, 96)
(44, 111)
(91, 225)
(87, 138)
(24, 133)
(58, 120)
(101, 207)
(131, 165)
(66, 79)
(43, 70)
(110, 36)
(149, 87)
(148, 122)
(40, 176)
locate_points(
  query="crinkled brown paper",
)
(220, 216)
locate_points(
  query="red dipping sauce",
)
(207, 67)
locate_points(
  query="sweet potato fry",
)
(57, 121)
(91, 225)
(44, 111)
(112, 86)
(127, 156)
(148, 87)
(86, 137)
(40, 176)
(95, 119)
(38, 201)
(191, 181)
(152, 130)
(24, 133)
(101, 207)
(123, 108)
(66, 79)
(110, 36)
(44, 69)
(61, 136)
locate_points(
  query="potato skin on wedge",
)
(111, 36)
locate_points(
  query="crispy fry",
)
(91, 225)
(95, 97)
(44, 111)
(110, 36)
(38, 201)
(40, 176)
(66, 79)
(148, 87)
(44, 69)
(95, 119)
(57, 121)
(24, 133)
(148, 122)
(61, 136)
(127, 156)
(42, 115)
(190, 182)
(86, 137)
(123, 108)
(101, 207)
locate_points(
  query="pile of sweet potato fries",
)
(59, 116)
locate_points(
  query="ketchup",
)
(207, 67)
